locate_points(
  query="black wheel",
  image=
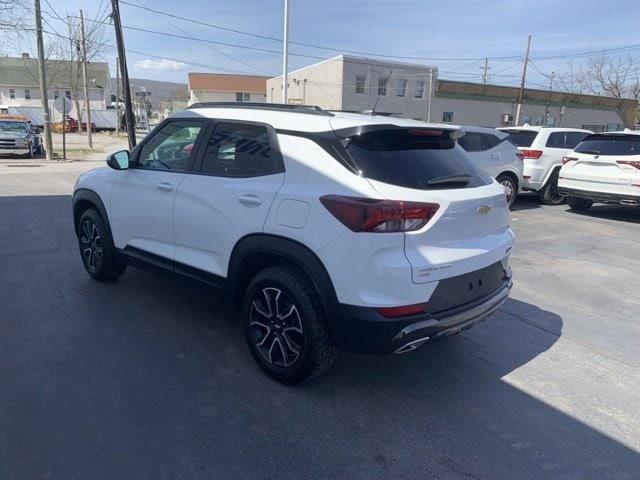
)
(577, 203)
(96, 248)
(285, 326)
(31, 152)
(549, 194)
(511, 186)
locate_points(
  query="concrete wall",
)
(319, 84)
(490, 113)
(97, 99)
(196, 96)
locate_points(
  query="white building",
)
(19, 86)
(219, 87)
(415, 91)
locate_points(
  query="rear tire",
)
(285, 326)
(511, 184)
(549, 194)
(96, 248)
(577, 203)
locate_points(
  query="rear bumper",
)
(363, 330)
(601, 197)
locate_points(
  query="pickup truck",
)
(18, 136)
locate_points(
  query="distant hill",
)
(160, 91)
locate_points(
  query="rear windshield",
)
(521, 138)
(415, 158)
(610, 145)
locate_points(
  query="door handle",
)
(250, 200)
(164, 186)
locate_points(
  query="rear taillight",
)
(531, 153)
(384, 216)
(391, 312)
(569, 159)
(633, 163)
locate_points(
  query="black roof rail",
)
(310, 109)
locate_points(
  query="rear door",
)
(237, 174)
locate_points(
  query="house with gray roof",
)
(19, 86)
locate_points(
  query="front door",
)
(143, 196)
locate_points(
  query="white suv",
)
(543, 149)
(496, 155)
(364, 233)
(603, 168)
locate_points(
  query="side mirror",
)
(36, 130)
(119, 160)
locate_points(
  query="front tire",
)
(96, 248)
(577, 203)
(549, 194)
(285, 326)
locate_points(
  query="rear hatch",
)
(470, 229)
(603, 162)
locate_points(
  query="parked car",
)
(543, 149)
(496, 155)
(18, 136)
(327, 231)
(603, 168)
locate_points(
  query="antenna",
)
(386, 83)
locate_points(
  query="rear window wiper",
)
(455, 178)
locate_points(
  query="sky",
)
(453, 35)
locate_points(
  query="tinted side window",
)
(473, 142)
(238, 150)
(522, 138)
(491, 140)
(555, 140)
(574, 138)
(171, 147)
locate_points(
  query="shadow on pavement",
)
(526, 201)
(150, 378)
(620, 213)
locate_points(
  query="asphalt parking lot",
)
(149, 377)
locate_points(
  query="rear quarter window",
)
(410, 158)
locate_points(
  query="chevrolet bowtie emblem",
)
(484, 209)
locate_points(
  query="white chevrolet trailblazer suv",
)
(543, 149)
(603, 168)
(326, 230)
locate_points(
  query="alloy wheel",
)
(91, 246)
(276, 327)
(508, 185)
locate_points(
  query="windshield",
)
(521, 138)
(415, 158)
(610, 145)
(18, 127)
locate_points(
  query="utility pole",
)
(42, 77)
(117, 96)
(430, 93)
(128, 112)
(485, 70)
(87, 105)
(546, 115)
(285, 51)
(524, 75)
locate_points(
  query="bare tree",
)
(179, 94)
(15, 16)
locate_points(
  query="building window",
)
(360, 81)
(56, 94)
(419, 91)
(67, 93)
(401, 87)
(447, 116)
(243, 97)
(382, 86)
(27, 94)
(12, 93)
